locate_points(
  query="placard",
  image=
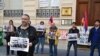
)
(83, 40)
(19, 44)
(72, 37)
(40, 28)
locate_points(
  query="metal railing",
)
(13, 13)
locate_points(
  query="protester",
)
(54, 34)
(25, 30)
(94, 38)
(11, 29)
(41, 30)
(74, 43)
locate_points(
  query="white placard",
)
(40, 27)
(19, 44)
(72, 36)
(43, 3)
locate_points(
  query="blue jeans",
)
(93, 46)
(53, 48)
(41, 41)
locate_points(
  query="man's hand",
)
(30, 44)
(8, 43)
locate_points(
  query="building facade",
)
(64, 12)
(39, 10)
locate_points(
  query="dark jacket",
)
(31, 34)
(9, 34)
(94, 35)
(52, 28)
(41, 34)
(74, 31)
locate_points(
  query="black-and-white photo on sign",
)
(19, 44)
(72, 37)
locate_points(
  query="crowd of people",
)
(36, 36)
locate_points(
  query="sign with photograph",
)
(72, 36)
(19, 44)
(83, 40)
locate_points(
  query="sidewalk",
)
(62, 47)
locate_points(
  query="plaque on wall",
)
(66, 11)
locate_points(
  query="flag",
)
(51, 20)
(85, 21)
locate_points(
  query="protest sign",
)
(19, 44)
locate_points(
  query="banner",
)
(83, 40)
(72, 37)
(19, 44)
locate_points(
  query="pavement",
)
(62, 47)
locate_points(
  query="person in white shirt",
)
(41, 30)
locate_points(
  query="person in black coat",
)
(74, 43)
(11, 29)
(27, 31)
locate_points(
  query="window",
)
(13, 4)
(13, 13)
(48, 8)
(66, 22)
(48, 12)
(1, 4)
(16, 4)
(49, 3)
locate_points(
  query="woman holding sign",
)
(71, 40)
(53, 40)
(10, 32)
